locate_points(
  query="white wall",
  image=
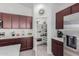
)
(48, 16)
(61, 6)
(20, 32)
(15, 8)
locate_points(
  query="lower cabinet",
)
(26, 43)
(23, 44)
(29, 42)
(7, 42)
(57, 47)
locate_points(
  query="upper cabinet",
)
(59, 21)
(23, 22)
(29, 22)
(6, 21)
(15, 21)
(59, 17)
(11, 21)
(66, 11)
(75, 8)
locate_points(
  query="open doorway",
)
(41, 37)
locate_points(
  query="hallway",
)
(42, 50)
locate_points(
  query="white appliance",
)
(11, 50)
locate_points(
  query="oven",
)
(71, 45)
(71, 41)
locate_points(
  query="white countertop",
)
(59, 39)
(11, 50)
(1, 38)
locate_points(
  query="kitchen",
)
(16, 29)
(21, 24)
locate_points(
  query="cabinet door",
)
(57, 48)
(66, 11)
(59, 21)
(23, 44)
(75, 8)
(54, 47)
(29, 22)
(15, 21)
(60, 17)
(6, 21)
(1, 16)
(29, 43)
(60, 50)
(23, 22)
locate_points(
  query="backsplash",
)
(71, 32)
(16, 32)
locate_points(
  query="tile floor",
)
(27, 53)
(41, 51)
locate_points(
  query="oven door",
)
(71, 42)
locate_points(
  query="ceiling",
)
(30, 5)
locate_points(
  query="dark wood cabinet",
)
(26, 43)
(57, 48)
(66, 11)
(60, 16)
(23, 22)
(54, 48)
(29, 22)
(1, 16)
(6, 42)
(23, 44)
(15, 21)
(59, 20)
(75, 8)
(6, 21)
(30, 43)
(60, 51)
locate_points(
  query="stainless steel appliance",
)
(71, 45)
(71, 41)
